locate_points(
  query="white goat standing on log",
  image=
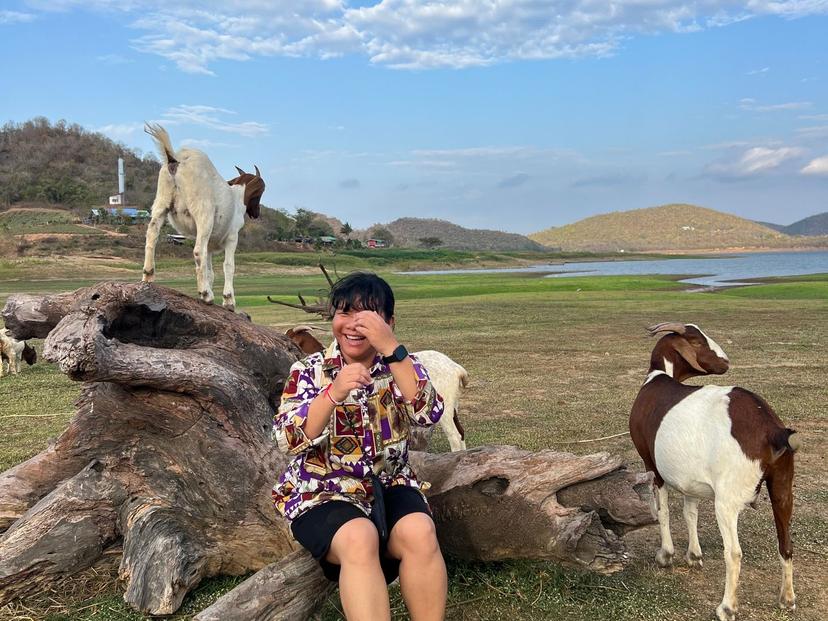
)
(200, 204)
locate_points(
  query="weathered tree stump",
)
(169, 454)
(169, 449)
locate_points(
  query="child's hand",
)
(351, 377)
(379, 333)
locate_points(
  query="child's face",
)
(354, 346)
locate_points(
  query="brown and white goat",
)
(13, 351)
(201, 205)
(717, 442)
(448, 377)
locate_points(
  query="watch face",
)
(397, 355)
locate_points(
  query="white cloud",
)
(120, 131)
(15, 17)
(208, 116)
(754, 161)
(412, 34)
(818, 166)
(758, 71)
(751, 104)
(816, 131)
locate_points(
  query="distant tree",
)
(346, 230)
(380, 232)
(430, 242)
(304, 219)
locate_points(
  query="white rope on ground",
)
(617, 435)
(34, 415)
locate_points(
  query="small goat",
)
(200, 204)
(717, 442)
(12, 351)
(448, 377)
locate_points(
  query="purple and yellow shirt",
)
(367, 434)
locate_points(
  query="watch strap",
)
(398, 355)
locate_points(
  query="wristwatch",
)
(398, 355)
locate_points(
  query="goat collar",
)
(653, 374)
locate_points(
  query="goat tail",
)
(794, 443)
(162, 140)
(784, 440)
(464, 378)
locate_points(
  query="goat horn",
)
(241, 172)
(258, 174)
(302, 328)
(667, 326)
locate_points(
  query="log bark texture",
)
(169, 450)
(169, 455)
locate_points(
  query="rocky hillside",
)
(669, 228)
(409, 232)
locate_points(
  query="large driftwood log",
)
(169, 449)
(169, 455)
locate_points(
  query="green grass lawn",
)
(552, 361)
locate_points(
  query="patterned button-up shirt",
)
(367, 434)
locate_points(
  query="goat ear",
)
(241, 172)
(687, 352)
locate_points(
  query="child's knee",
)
(415, 533)
(356, 541)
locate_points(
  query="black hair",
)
(363, 291)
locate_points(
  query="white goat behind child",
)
(201, 205)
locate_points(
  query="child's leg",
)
(413, 540)
(362, 589)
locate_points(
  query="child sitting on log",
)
(350, 494)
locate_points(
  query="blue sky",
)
(509, 114)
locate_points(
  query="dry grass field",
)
(553, 362)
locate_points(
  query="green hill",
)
(64, 164)
(409, 231)
(670, 228)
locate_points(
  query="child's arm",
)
(302, 419)
(426, 407)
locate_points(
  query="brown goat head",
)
(700, 354)
(29, 354)
(254, 187)
(304, 340)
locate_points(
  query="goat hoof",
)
(725, 613)
(694, 560)
(787, 603)
(664, 558)
(230, 307)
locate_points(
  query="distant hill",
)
(813, 225)
(669, 228)
(65, 164)
(409, 231)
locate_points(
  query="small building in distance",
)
(376, 243)
(119, 215)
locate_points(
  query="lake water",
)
(719, 271)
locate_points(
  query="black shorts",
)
(315, 529)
